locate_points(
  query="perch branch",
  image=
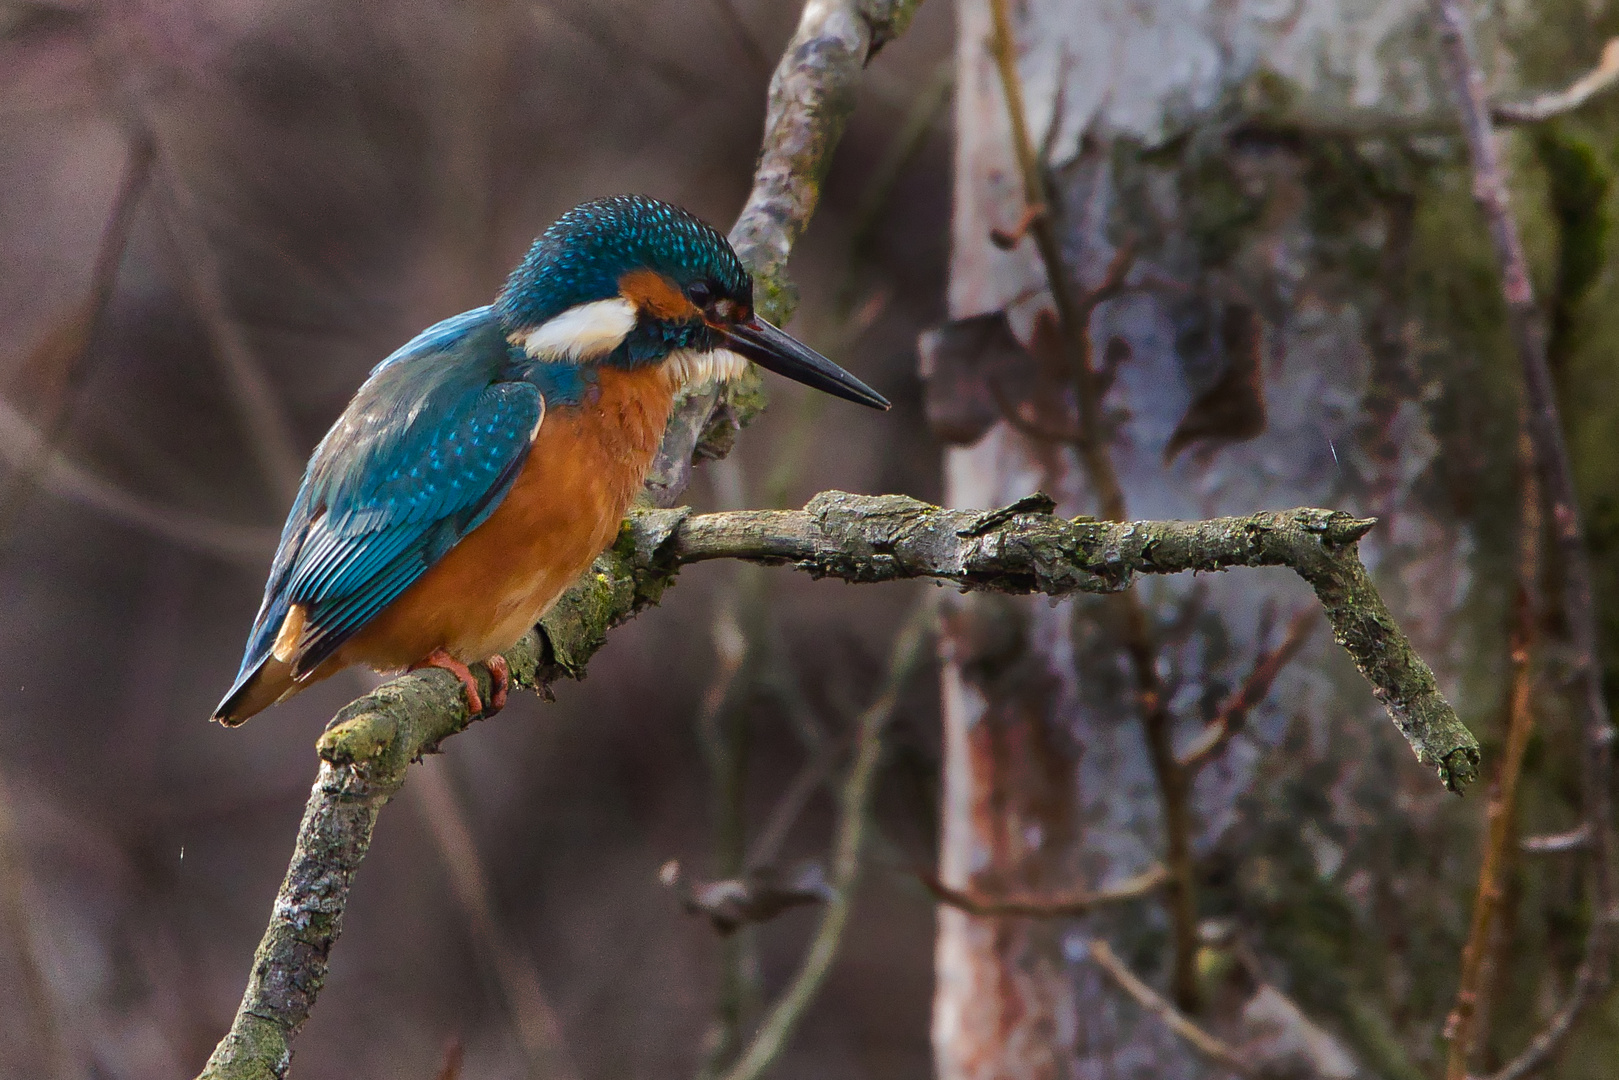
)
(369, 745)
(1557, 481)
(1215, 1050)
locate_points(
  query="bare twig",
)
(1575, 839)
(1601, 78)
(44, 1028)
(1047, 906)
(270, 433)
(66, 347)
(1102, 954)
(794, 798)
(1465, 1027)
(910, 650)
(1234, 713)
(28, 450)
(1073, 315)
(535, 1022)
(1557, 480)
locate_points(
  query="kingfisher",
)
(481, 468)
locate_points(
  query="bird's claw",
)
(500, 681)
(438, 658)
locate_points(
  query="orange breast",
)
(564, 508)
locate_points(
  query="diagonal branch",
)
(1217, 1051)
(854, 803)
(810, 100)
(27, 449)
(1577, 93)
(1234, 713)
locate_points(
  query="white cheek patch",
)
(582, 332)
(687, 368)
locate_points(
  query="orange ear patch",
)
(656, 295)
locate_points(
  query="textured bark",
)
(1246, 361)
(369, 746)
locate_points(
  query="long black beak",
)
(776, 351)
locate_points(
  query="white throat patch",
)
(581, 332)
(689, 368)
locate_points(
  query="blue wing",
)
(422, 456)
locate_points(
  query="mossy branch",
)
(811, 96)
(368, 747)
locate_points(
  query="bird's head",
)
(631, 281)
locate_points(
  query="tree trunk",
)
(1262, 341)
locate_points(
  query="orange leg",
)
(500, 679)
(440, 659)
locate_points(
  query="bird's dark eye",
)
(700, 292)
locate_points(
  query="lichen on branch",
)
(1024, 548)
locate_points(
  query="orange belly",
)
(564, 509)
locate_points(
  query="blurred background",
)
(217, 216)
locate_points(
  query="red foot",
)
(500, 680)
(440, 659)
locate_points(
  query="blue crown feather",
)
(581, 257)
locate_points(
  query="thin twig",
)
(1575, 839)
(27, 449)
(910, 650)
(270, 433)
(67, 346)
(1546, 106)
(1047, 906)
(1557, 480)
(1073, 312)
(534, 1020)
(1234, 713)
(1465, 1027)
(44, 1027)
(723, 730)
(794, 798)
(1205, 1044)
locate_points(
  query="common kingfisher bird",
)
(481, 468)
